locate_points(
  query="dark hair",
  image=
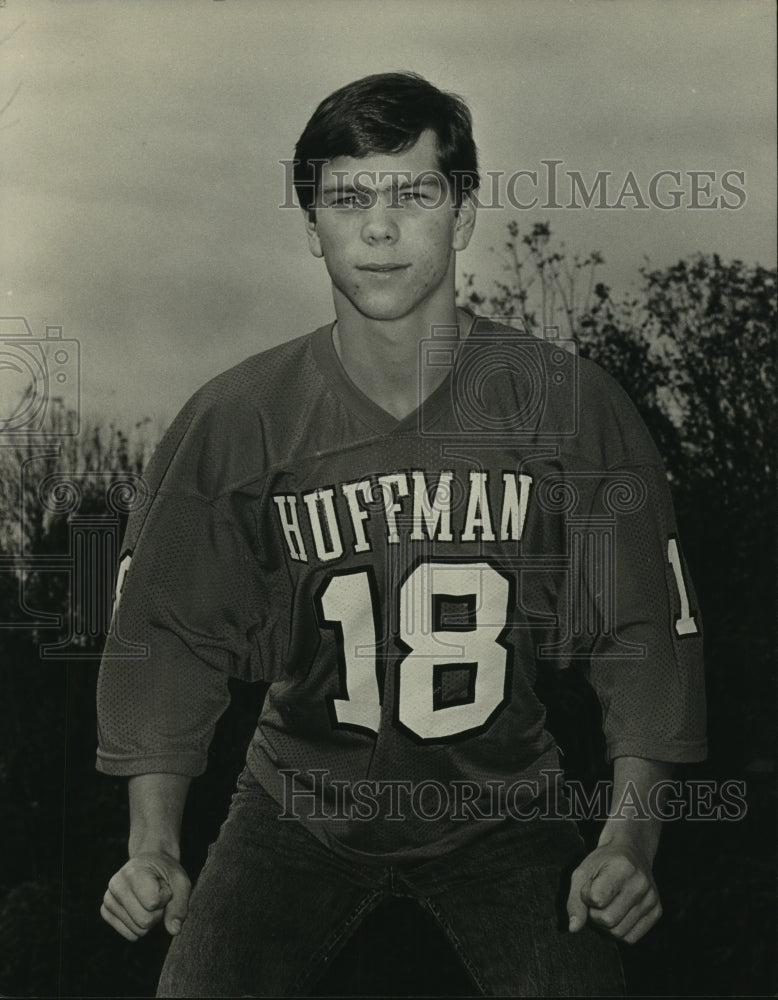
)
(386, 113)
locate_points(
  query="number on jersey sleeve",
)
(686, 623)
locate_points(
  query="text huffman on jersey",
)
(445, 510)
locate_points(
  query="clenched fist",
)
(148, 888)
(614, 888)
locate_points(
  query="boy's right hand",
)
(149, 887)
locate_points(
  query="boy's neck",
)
(385, 359)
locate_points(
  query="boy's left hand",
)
(614, 888)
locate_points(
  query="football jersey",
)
(397, 584)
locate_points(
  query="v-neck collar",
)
(369, 412)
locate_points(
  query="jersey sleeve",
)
(185, 615)
(645, 652)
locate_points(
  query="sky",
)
(140, 149)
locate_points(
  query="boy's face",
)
(387, 229)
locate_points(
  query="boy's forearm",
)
(642, 831)
(156, 809)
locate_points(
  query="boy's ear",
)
(464, 222)
(311, 231)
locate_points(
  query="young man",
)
(392, 521)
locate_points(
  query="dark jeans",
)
(273, 906)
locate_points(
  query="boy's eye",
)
(419, 196)
(367, 199)
(354, 199)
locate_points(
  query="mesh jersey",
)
(397, 583)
